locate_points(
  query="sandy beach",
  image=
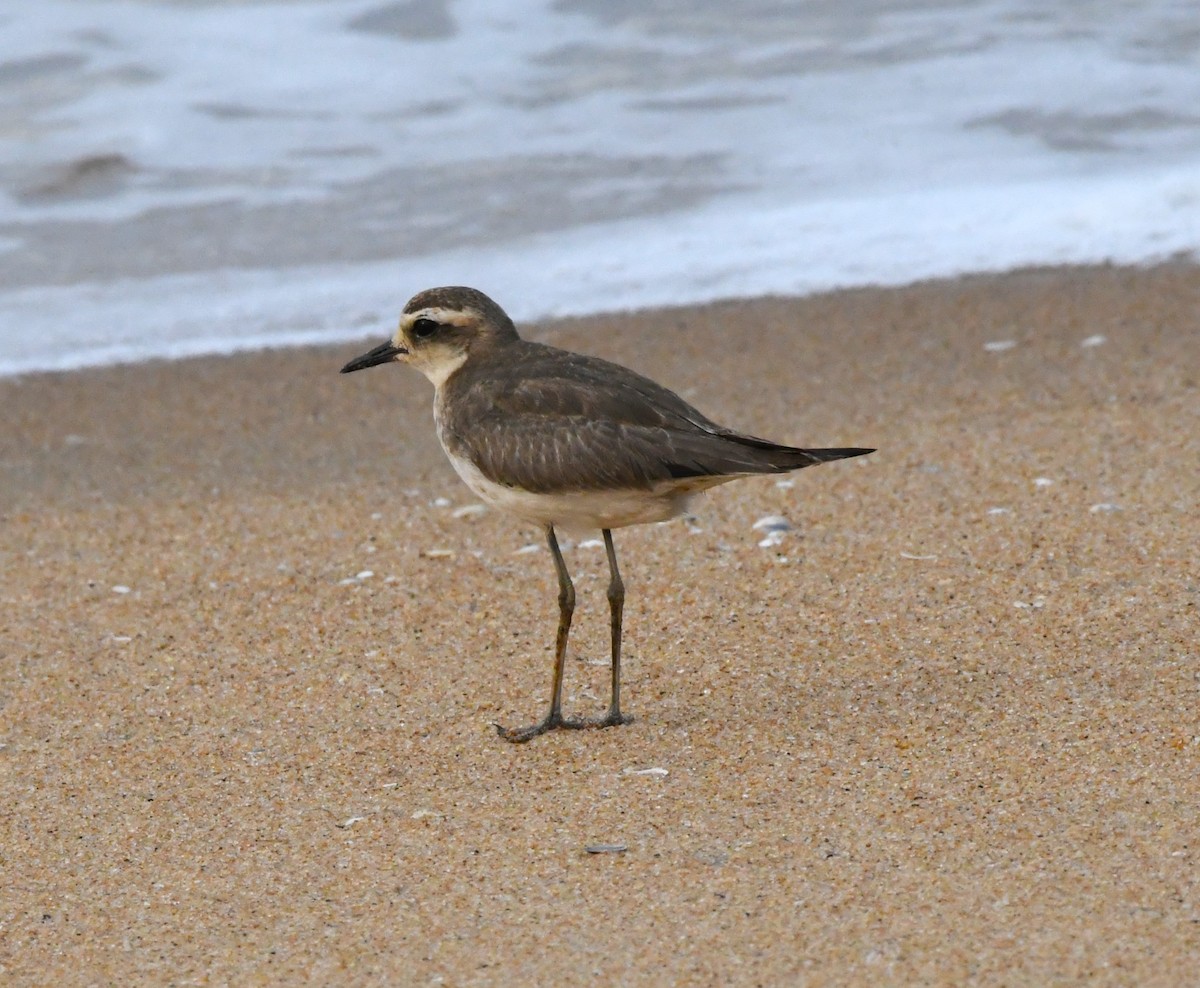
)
(255, 638)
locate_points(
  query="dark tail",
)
(731, 454)
(793, 459)
(779, 459)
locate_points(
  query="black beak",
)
(380, 355)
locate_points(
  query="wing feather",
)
(568, 422)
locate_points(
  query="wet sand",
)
(945, 732)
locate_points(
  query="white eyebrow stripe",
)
(443, 317)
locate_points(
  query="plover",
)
(562, 439)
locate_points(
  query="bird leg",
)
(566, 608)
(616, 605)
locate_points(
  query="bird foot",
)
(519, 735)
(614, 718)
(555, 721)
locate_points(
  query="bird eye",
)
(422, 329)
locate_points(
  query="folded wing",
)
(575, 423)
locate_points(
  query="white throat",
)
(439, 372)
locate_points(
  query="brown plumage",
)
(562, 438)
(555, 421)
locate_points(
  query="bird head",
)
(438, 330)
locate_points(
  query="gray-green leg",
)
(566, 608)
(616, 606)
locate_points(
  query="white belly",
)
(577, 509)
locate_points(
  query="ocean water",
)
(192, 176)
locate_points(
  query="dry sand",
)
(944, 733)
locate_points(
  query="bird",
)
(565, 440)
